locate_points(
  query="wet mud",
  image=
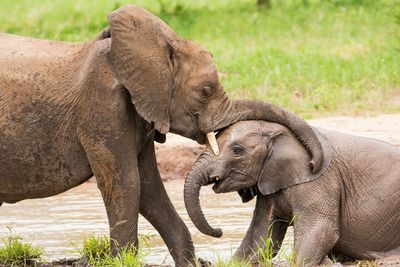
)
(175, 161)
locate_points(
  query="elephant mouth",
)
(200, 139)
(218, 186)
(214, 179)
(223, 185)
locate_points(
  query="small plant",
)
(15, 252)
(95, 249)
(265, 254)
(271, 255)
(366, 263)
(97, 252)
(287, 255)
(233, 262)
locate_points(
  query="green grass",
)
(266, 253)
(232, 262)
(314, 57)
(97, 252)
(15, 252)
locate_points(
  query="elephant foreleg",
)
(265, 227)
(314, 238)
(114, 163)
(157, 208)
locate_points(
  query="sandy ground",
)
(384, 127)
(176, 156)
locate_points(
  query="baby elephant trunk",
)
(197, 177)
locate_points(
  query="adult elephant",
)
(71, 110)
(350, 209)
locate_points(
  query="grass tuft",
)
(232, 262)
(266, 253)
(15, 252)
(96, 248)
(97, 252)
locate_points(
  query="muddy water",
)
(60, 223)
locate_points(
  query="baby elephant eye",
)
(206, 92)
(238, 150)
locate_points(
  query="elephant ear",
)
(287, 163)
(141, 57)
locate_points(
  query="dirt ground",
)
(390, 262)
(177, 155)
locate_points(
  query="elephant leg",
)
(313, 240)
(157, 208)
(114, 163)
(265, 226)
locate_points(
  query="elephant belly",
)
(33, 167)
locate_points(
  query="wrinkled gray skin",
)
(71, 110)
(351, 208)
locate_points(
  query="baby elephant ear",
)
(140, 58)
(287, 163)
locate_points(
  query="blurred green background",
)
(314, 57)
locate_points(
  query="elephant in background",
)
(350, 209)
(71, 110)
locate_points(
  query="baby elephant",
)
(350, 209)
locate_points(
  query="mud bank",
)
(174, 161)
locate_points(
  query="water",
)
(60, 223)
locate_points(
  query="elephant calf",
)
(351, 209)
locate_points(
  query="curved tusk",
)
(213, 143)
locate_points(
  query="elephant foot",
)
(203, 263)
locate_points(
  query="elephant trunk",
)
(197, 177)
(241, 110)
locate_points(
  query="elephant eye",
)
(206, 92)
(238, 150)
(170, 52)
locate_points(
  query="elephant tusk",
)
(214, 177)
(213, 143)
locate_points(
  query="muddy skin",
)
(72, 110)
(349, 209)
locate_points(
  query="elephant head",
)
(173, 83)
(256, 157)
